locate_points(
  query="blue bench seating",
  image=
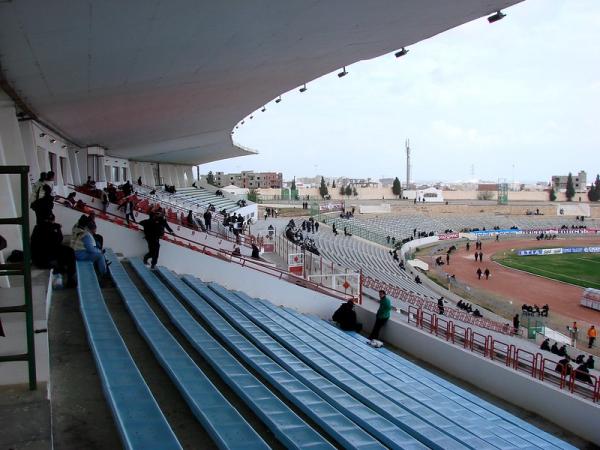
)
(137, 416)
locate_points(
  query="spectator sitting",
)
(563, 366)
(85, 246)
(345, 317)
(48, 251)
(80, 205)
(191, 220)
(554, 349)
(417, 279)
(583, 373)
(545, 345)
(255, 252)
(236, 251)
(562, 351)
(580, 358)
(590, 362)
(476, 313)
(70, 200)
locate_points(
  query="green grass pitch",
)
(582, 269)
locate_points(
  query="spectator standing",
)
(487, 273)
(440, 303)
(448, 258)
(208, 219)
(43, 206)
(36, 189)
(129, 211)
(479, 272)
(383, 315)
(154, 229)
(48, 250)
(316, 226)
(591, 336)
(516, 323)
(468, 246)
(480, 256)
(476, 256)
(105, 201)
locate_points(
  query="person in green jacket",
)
(383, 314)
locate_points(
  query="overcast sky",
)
(519, 98)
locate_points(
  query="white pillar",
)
(28, 138)
(12, 154)
(74, 166)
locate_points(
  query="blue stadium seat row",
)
(351, 404)
(290, 429)
(220, 419)
(539, 438)
(341, 428)
(430, 383)
(138, 417)
(460, 427)
(507, 427)
(417, 419)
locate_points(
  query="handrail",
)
(512, 356)
(224, 235)
(230, 257)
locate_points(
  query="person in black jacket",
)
(345, 316)
(48, 251)
(207, 219)
(43, 206)
(154, 229)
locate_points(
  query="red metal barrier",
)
(501, 348)
(480, 343)
(552, 375)
(526, 361)
(581, 381)
(415, 313)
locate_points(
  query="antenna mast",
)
(407, 145)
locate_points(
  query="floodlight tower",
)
(407, 145)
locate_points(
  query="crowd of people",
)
(535, 310)
(468, 308)
(582, 372)
(295, 235)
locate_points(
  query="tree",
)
(293, 188)
(323, 191)
(342, 191)
(594, 192)
(397, 187)
(333, 184)
(552, 195)
(348, 191)
(210, 178)
(570, 188)
(354, 191)
(253, 195)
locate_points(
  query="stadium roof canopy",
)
(167, 80)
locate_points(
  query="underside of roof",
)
(168, 80)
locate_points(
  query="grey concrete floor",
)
(24, 418)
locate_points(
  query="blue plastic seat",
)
(138, 417)
(220, 419)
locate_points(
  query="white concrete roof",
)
(167, 80)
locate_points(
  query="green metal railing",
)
(24, 269)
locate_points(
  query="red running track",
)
(520, 286)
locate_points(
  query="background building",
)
(559, 182)
(250, 180)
